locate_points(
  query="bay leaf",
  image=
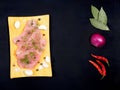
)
(99, 25)
(94, 11)
(102, 16)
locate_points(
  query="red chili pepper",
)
(103, 69)
(101, 58)
(96, 66)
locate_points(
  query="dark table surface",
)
(70, 30)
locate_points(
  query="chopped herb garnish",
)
(25, 60)
(33, 43)
(36, 47)
(32, 31)
(31, 54)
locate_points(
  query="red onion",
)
(97, 40)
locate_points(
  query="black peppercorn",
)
(39, 19)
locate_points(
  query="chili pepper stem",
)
(102, 77)
(108, 64)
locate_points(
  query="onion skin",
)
(97, 40)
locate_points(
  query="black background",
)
(70, 31)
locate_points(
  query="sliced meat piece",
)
(37, 41)
(31, 24)
(27, 32)
(42, 44)
(28, 59)
(30, 45)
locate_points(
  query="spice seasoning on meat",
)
(25, 60)
(18, 40)
(31, 45)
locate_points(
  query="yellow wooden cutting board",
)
(43, 67)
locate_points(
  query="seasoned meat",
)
(30, 45)
(28, 59)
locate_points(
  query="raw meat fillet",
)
(30, 45)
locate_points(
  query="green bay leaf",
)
(102, 16)
(94, 11)
(99, 25)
